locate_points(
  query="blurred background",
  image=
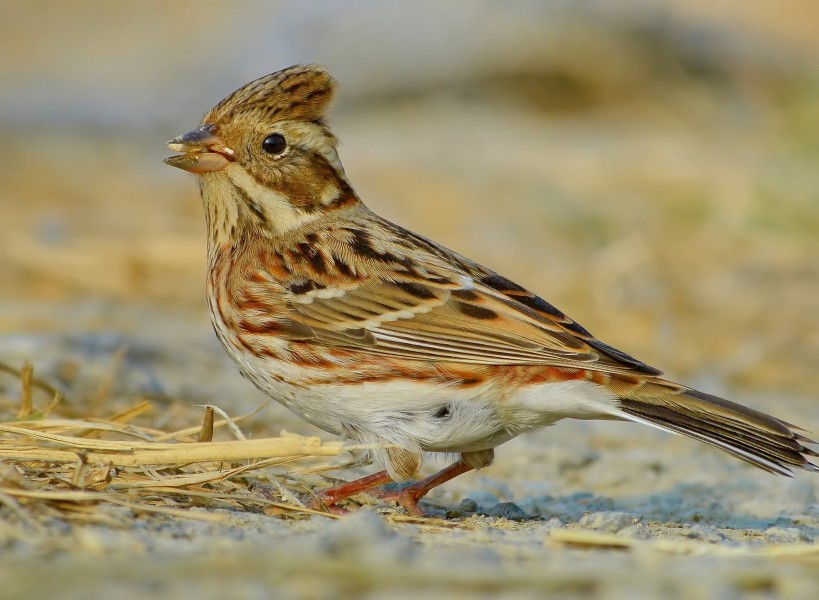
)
(650, 168)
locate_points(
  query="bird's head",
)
(265, 157)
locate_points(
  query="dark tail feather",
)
(762, 440)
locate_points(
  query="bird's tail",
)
(755, 437)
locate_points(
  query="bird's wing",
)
(409, 297)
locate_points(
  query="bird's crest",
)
(301, 93)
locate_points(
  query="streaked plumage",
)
(368, 330)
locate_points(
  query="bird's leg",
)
(408, 496)
(327, 499)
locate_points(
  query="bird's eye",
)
(274, 144)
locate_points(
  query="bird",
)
(377, 334)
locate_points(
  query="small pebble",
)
(608, 522)
(638, 531)
(704, 534)
(785, 535)
(507, 510)
(355, 532)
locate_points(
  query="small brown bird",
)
(373, 332)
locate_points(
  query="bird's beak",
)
(203, 151)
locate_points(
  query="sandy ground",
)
(677, 222)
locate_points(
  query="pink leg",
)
(328, 498)
(409, 496)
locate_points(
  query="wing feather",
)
(410, 297)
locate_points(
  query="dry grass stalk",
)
(87, 469)
(25, 400)
(59, 448)
(581, 538)
(206, 433)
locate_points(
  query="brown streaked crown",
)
(298, 93)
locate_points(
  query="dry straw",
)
(78, 468)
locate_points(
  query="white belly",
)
(434, 417)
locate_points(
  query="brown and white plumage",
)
(369, 330)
